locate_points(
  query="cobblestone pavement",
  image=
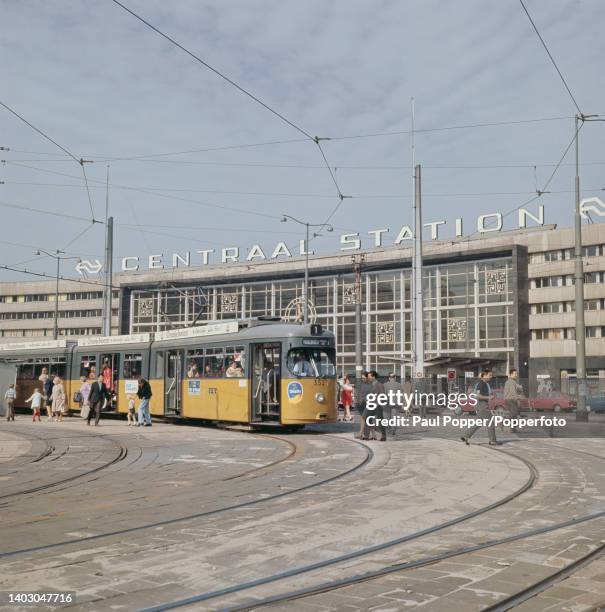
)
(158, 514)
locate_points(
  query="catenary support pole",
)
(108, 278)
(418, 314)
(56, 320)
(581, 413)
(306, 287)
(357, 261)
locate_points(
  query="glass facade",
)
(468, 310)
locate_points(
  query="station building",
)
(501, 299)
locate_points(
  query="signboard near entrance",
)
(194, 387)
(131, 386)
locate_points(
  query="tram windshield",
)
(313, 362)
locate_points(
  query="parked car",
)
(496, 402)
(596, 403)
(553, 400)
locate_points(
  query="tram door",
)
(110, 370)
(266, 382)
(173, 378)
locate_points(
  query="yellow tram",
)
(258, 372)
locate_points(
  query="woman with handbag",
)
(81, 397)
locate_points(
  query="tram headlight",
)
(320, 398)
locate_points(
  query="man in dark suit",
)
(98, 394)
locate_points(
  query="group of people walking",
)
(513, 395)
(50, 395)
(92, 397)
(371, 384)
(349, 398)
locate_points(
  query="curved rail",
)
(337, 584)
(533, 473)
(171, 521)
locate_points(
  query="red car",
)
(496, 402)
(554, 400)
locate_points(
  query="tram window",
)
(25, 371)
(133, 365)
(314, 362)
(58, 367)
(159, 364)
(40, 365)
(88, 366)
(214, 363)
(235, 362)
(195, 363)
(42, 369)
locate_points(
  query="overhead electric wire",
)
(157, 194)
(253, 97)
(78, 236)
(207, 149)
(105, 158)
(54, 276)
(79, 161)
(340, 167)
(384, 196)
(92, 212)
(552, 59)
(39, 131)
(539, 193)
(45, 212)
(450, 128)
(215, 70)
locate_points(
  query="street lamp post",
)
(581, 382)
(58, 256)
(307, 225)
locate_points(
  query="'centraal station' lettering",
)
(491, 222)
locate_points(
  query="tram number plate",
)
(320, 382)
(212, 390)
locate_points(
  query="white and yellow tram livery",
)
(258, 372)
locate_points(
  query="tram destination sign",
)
(42, 344)
(487, 223)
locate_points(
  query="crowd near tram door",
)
(110, 368)
(266, 382)
(173, 377)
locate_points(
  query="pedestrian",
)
(48, 396)
(346, 397)
(408, 390)
(58, 399)
(99, 395)
(144, 394)
(36, 399)
(391, 387)
(377, 388)
(85, 387)
(132, 419)
(9, 402)
(360, 404)
(513, 394)
(483, 392)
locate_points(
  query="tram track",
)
(120, 456)
(505, 604)
(368, 457)
(203, 597)
(542, 585)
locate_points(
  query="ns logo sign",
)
(592, 205)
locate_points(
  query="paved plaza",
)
(133, 518)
